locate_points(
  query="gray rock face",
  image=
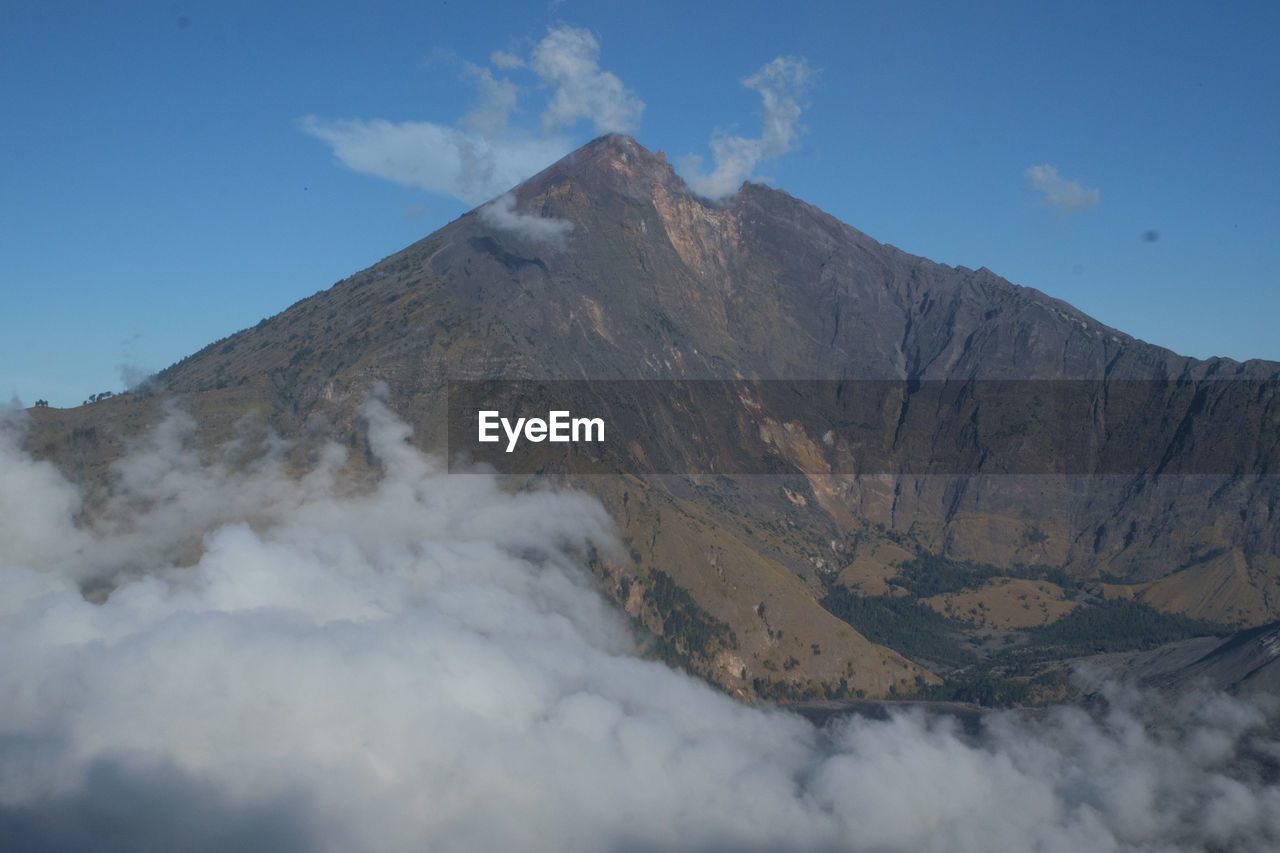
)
(656, 283)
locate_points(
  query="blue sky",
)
(173, 172)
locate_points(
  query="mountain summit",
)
(811, 581)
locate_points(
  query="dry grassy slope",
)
(1225, 587)
(873, 566)
(781, 632)
(1006, 603)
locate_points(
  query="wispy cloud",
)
(568, 61)
(484, 155)
(1067, 196)
(498, 99)
(501, 213)
(781, 84)
(466, 165)
(506, 61)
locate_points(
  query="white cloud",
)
(501, 213)
(485, 155)
(735, 159)
(490, 118)
(1068, 196)
(781, 84)
(467, 166)
(36, 504)
(506, 61)
(426, 665)
(568, 60)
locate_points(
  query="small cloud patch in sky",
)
(1067, 196)
(499, 99)
(505, 61)
(568, 60)
(781, 84)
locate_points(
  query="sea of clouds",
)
(292, 663)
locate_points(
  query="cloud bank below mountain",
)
(423, 663)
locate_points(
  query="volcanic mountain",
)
(763, 553)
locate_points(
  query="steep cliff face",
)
(606, 267)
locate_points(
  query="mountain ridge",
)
(551, 191)
(653, 282)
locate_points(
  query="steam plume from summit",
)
(781, 84)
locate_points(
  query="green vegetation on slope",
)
(1016, 674)
(903, 624)
(1117, 625)
(687, 629)
(928, 575)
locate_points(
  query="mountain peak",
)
(625, 151)
(618, 144)
(613, 162)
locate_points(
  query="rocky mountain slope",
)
(758, 556)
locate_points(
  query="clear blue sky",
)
(173, 172)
